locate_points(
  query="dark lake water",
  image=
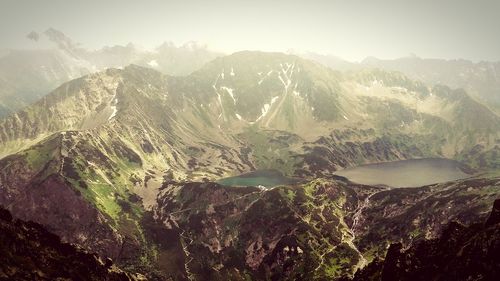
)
(267, 178)
(406, 173)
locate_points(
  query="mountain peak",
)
(494, 217)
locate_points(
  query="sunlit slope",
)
(255, 110)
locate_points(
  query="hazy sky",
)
(351, 29)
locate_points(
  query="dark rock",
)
(30, 252)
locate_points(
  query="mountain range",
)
(123, 162)
(27, 75)
(481, 79)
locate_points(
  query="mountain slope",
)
(229, 99)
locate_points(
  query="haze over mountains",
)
(121, 159)
(27, 75)
(480, 79)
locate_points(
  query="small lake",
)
(406, 173)
(266, 178)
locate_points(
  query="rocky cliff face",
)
(30, 252)
(40, 186)
(460, 253)
(411, 214)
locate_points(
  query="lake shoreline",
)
(407, 173)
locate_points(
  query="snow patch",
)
(230, 92)
(232, 71)
(113, 114)
(266, 107)
(214, 85)
(153, 63)
(400, 89)
(345, 117)
(267, 75)
(274, 99)
(114, 108)
(295, 92)
(238, 116)
(286, 79)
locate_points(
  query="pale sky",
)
(351, 29)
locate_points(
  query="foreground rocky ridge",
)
(460, 253)
(30, 252)
(323, 229)
(411, 214)
(317, 230)
(286, 233)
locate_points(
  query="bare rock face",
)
(30, 252)
(494, 217)
(460, 253)
(56, 205)
(411, 214)
(41, 194)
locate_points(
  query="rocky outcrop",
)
(30, 252)
(43, 194)
(460, 253)
(285, 233)
(412, 214)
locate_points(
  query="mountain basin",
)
(406, 173)
(264, 178)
